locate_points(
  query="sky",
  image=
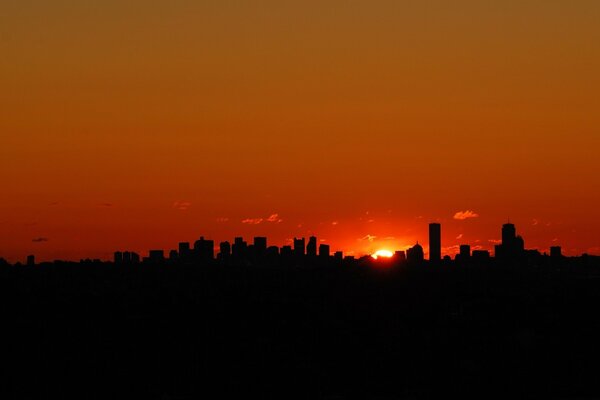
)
(134, 125)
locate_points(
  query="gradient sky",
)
(130, 125)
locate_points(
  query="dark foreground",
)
(149, 332)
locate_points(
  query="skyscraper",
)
(509, 233)
(311, 248)
(435, 242)
(299, 247)
(324, 250)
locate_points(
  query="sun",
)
(382, 253)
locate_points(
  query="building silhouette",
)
(184, 251)
(299, 247)
(324, 250)
(512, 246)
(260, 246)
(555, 252)
(224, 251)
(311, 247)
(204, 250)
(238, 249)
(414, 255)
(435, 242)
(400, 256)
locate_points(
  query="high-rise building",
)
(512, 245)
(118, 258)
(299, 247)
(508, 234)
(311, 247)
(238, 250)
(156, 255)
(415, 254)
(324, 250)
(184, 250)
(435, 242)
(260, 246)
(555, 252)
(465, 251)
(30, 260)
(400, 256)
(224, 250)
(204, 250)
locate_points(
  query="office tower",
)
(324, 250)
(508, 235)
(286, 251)
(260, 246)
(415, 254)
(118, 257)
(465, 251)
(512, 245)
(400, 256)
(126, 257)
(435, 242)
(555, 252)
(338, 256)
(311, 247)
(184, 250)
(134, 258)
(238, 250)
(224, 250)
(156, 255)
(204, 250)
(299, 247)
(31, 260)
(173, 255)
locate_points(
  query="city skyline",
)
(510, 247)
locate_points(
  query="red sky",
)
(128, 125)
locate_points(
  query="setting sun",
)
(382, 253)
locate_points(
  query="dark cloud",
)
(39, 240)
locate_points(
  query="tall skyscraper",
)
(311, 247)
(509, 233)
(324, 250)
(299, 247)
(224, 250)
(260, 246)
(435, 242)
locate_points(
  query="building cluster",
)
(302, 252)
(240, 252)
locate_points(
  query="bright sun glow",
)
(382, 253)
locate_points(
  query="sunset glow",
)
(142, 125)
(382, 254)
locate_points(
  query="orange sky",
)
(128, 125)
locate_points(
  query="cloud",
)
(535, 222)
(494, 241)
(462, 215)
(40, 240)
(459, 236)
(274, 218)
(182, 205)
(370, 238)
(222, 219)
(252, 221)
(334, 223)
